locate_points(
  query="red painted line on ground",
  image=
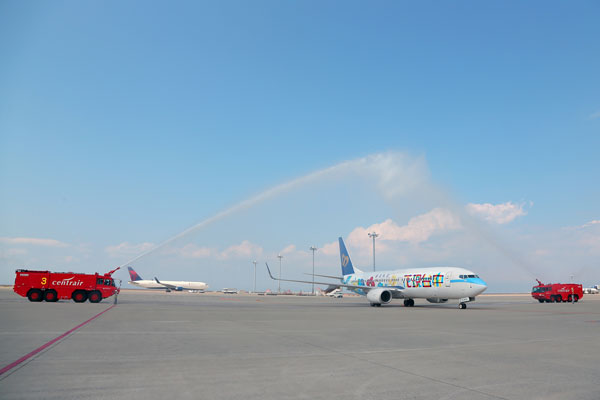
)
(50, 343)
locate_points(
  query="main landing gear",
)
(462, 306)
(409, 303)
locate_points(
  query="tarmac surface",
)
(156, 345)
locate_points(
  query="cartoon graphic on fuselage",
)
(437, 285)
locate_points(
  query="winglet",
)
(269, 270)
(157, 281)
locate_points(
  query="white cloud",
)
(499, 213)
(127, 249)
(288, 249)
(590, 224)
(245, 249)
(33, 241)
(330, 249)
(418, 229)
(192, 251)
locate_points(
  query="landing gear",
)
(462, 306)
(375, 304)
(409, 303)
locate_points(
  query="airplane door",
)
(448, 278)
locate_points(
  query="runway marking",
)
(50, 343)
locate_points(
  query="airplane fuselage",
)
(427, 283)
(148, 284)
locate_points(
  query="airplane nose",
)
(482, 285)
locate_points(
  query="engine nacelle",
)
(179, 289)
(379, 296)
(436, 300)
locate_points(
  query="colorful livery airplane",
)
(165, 285)
(437, 285)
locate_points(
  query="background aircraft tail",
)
(347, 267)
(134, 275)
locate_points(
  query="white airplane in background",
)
(137, 280)
(437, 285)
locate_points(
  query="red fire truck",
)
(557, 292)
(53, 286)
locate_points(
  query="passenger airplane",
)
(166, 285)
(437, 285)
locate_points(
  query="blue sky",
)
(127, 122)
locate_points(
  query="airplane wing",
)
(166, 285)
(326, 276)
(397, 289)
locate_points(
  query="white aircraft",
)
(137, 280)
(437, 285)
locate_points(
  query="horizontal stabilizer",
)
(326, 276)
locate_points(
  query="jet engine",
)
(179, 289)
(379, 296)
(436, 300)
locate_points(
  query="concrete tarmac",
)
(156, 345)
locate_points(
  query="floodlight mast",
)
(279, 282)
(313, 248)
(254, 262)
(373, 235)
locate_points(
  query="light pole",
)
(280, 257)
(313, 248)
(254, 262)
(373, 235)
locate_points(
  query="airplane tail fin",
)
(134, 275)
(347, 267)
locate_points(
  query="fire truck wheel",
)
(576, 298)
(95, 296)
(79, 296)
(35, 295)
(558, 299)
(541, 300)
(50, 296)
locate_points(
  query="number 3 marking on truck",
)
(44, 280)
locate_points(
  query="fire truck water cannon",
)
(54, 286)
